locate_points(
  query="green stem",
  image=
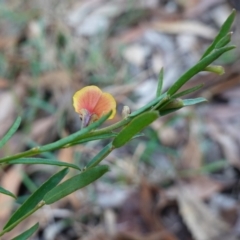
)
(101, 155)
(31, 152)
(160, 103)
(83, 134)
(200, 66)
(112, 127)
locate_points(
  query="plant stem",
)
(82, 134)
(112, 127)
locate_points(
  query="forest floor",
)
(180, 181)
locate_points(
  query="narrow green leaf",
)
(148, 106)
(28, 233)
(189, 102)
(6, 192)
(222, 33)
(74, 136)
(165, 101)
(134, 127)
(35, 198)
(188, 91)
(100, 156)
(160, 83)
(200, 66)
(224, 41)
(43, 161)
(71, 185)
(10, 132)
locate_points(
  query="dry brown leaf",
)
(15, 145)
(188, 5)
(97, 234)
(158, 235)
(3, 83)
(168, 136)
(188, 27)
(110, 222)
(8, 108)
(221, 113)
(100, 234)
(202, 223)
(227, 87)
(9, 101)
(11, 181)
(191, 157)
(130, 35)
(66, 155)
(7, 43)
(228, 144)
(136, 54)
(200, 186)
(55, 80)
(200, 7)
(147, 205)
(43, 130)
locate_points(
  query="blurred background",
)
(179, 181)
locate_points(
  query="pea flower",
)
(91, 104)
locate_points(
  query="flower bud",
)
(126, 111)
(175, 103)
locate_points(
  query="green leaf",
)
(200, 66)
(80, 134)
(42, 161)
(187, 91)
(100, 156)
(10, 132)
(222, 33)
(35, 198)
(224, 41)
(189, 102)
(28, 233)
(148, 106)
(6, 192)
(160, 83)
(71, 185)
(135, 126)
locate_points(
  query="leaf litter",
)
(159, 187)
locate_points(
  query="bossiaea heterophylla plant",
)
(94, 108)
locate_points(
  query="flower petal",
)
(93, 102)
(86, 98)
(105, 104)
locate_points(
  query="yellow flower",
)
(91, 104)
